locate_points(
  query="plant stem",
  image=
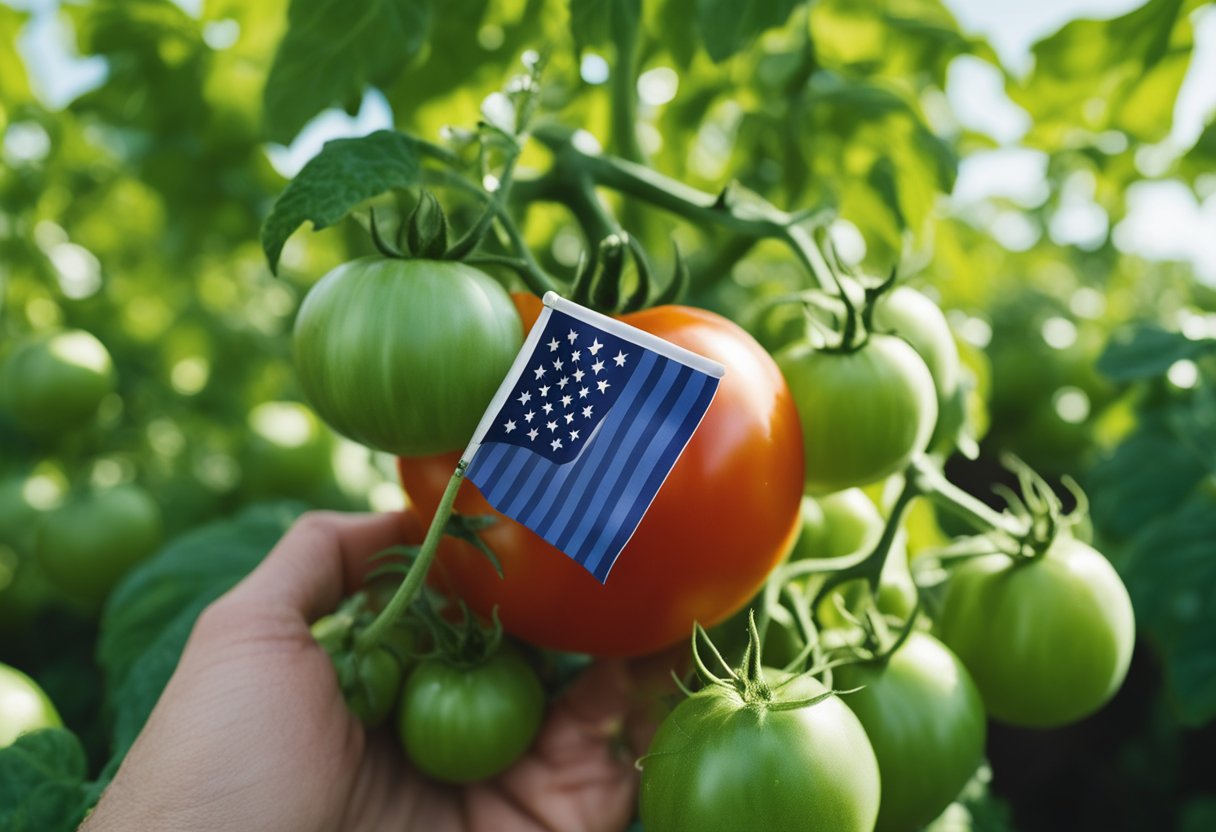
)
(536, 278)
(808, 252)
(623, 80)
(946, 494)
(748, 215)
(870, 567)
(412, 582)
(494, 208)
(592, 216)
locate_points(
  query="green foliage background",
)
(136, 216)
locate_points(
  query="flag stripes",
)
(588, 496)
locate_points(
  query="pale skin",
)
(252, 733)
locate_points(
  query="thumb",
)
(323, 557)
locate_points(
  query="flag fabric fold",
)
(586, 427)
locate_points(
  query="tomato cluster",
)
(64, 543)
(723, 519)
(1037, 633)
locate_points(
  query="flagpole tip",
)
(550, 298)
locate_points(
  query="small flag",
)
(586, 427)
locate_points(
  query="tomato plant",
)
(1048, 640)
(88, 544)
(750, 159)
(865, 413)
(837, 524)
(53, 383)
(926, 722)
(919, 321)
(289, 450)
(461, 724)
(404, 355)
(725, 516)
(23, 706)
(723, 760)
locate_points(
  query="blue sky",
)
(1165, 220)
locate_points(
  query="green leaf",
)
(1096, 75)
(882, 181)
(1201, 158)
(149, 616)
(912, 38)
(332, 50)
(150, 613)
(14, 85)
(595, 22)
(343, 174)
(1170, 572)
(154, 53)
(42, 782)
(1146, 476)
(874, 150)
(727, 26)
(1148, 352)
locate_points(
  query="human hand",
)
(252, 732)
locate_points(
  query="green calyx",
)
(751, 683)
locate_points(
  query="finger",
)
(598, 700)
(321, 559)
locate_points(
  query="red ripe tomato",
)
(724, 518)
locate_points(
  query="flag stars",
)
(524, 397)
(532, 434)
(576, 356)
(582, 392)
(587, 412)
(578, 375)
(572, 336)
(544, 391)
(597, 366)
(569, 418)
(555, 444)
(552, 426)
(573, 436)
(566, 401)
(553, 345)
(595, 347)
(529, 415)
(603, 386)
(548, 408)
(540, 371)
(509, 426)
(557, 364)
(564, 381)
(619, 358)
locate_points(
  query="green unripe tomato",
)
(25, 592)
(88, 544)
(722, 764)
(461, 724)
(54, 383)
(864, 414)
(924, 717)
(18, 515)
(896, 590)
(289, 450)
(1047, 641)
(405, 355)
(23, 706)
(919, 321)
(836, 525)
(376, 685)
